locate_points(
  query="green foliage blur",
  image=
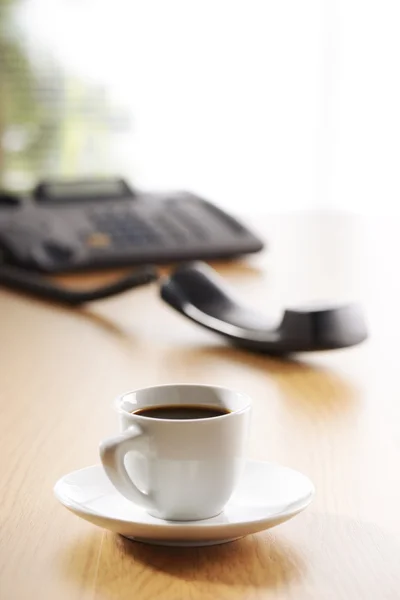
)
(27, 127)
(51, 122)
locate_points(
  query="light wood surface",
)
(335, 416)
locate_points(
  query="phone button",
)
(57, 251)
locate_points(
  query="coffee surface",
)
(181, 412)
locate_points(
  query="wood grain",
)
(335, 416)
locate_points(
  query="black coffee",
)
(181, 412)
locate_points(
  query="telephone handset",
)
(197, 292)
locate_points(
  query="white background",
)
(257, 104)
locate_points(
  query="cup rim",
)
(121, 411)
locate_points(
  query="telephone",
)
(96, 223)
(70, 225)
(73, 225)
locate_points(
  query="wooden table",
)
(334, 416)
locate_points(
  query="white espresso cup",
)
(178, 468)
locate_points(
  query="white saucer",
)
(267, 495)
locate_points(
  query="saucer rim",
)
(75, 507)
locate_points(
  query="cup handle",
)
(112, 454)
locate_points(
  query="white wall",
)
(257, 104)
